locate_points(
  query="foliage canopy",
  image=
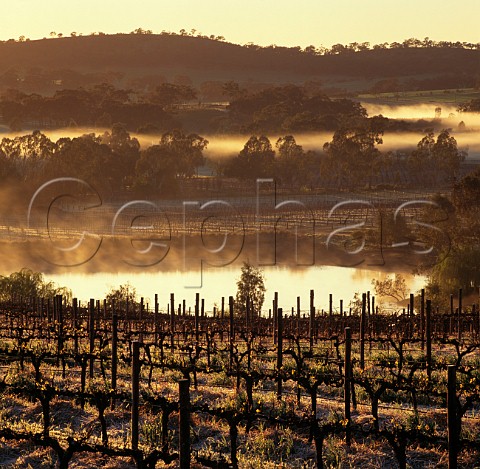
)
(250, 287)
(28, 284)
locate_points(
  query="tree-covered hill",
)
(210, 58)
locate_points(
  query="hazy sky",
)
(282, 22)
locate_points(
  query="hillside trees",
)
(293, 165)
(466, 194)
(26, 157)
(438, 160)
(101, 104)
(126, 152)
(177, 155)
(86, 158)
(167, 94)
(352, 157)
(290, 108)
(112, 161)
(254, 160)
(471, 106)
(290, 159)
(155, 171)
(188, 150)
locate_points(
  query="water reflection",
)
(342, 282)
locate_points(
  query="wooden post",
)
(298, 316)
(460, 316)
(75, 325)
(155, 320)
(428, 334)
(135, 393)
(114, 356)
(312, 318)
(452, 417)
(279, 350)
(184, 423)
(375, 325)
(362, 332)
(91, 330)
(232, 330)
(59, 301)
(197, 320)
(347, 381)
(55, 318)
(222, 316)
(330, 314)
(412, 320)
(422, 317)
(172, 319)
(477, 313)
(368, 305)
(478, 317)
(48, 314)
(97, 316)
(275, 313)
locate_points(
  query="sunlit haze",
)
(266, 22)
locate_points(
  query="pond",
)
(342, 282)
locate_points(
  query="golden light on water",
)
(342, 282)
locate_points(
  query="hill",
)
(201, 59)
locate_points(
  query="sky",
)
(264, 22)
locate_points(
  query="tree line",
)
(154, 108)
(100, 105)
(352, 159)
(115, 159)
(271, 109)
(289, 108)
(310, 49)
